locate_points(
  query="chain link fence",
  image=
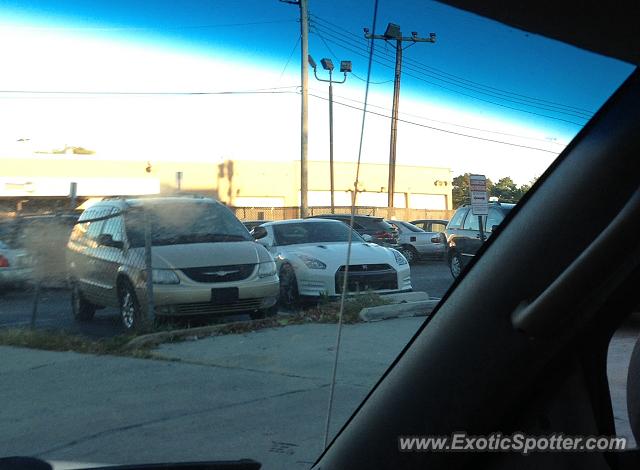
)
(63, 269)
(282, 213)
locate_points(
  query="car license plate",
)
(224, 295)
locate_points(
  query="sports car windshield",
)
(313, 232)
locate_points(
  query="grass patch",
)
(129, 345)
(51, 340)
(328, 312)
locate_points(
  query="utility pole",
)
(393, 33)
(345, 67)
(304, 114)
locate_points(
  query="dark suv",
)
(380, 231)
(463, 233)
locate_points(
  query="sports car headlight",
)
(164, 276)
(399, 258)
(267, 269)
(312, 263)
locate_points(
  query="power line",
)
(295, 46)
(420, 68)
(436, 71)
(335, 57)
(146, 28)
(341, 42)
(438, 129)
(421, 78)
(274, 90)
(457, 125)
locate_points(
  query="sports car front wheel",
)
(289, 296)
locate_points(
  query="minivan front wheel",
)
(130, 312)
(81, 309)
(455, 264)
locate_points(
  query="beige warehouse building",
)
(238, 183)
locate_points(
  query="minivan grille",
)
(228, 273)
(208, 308)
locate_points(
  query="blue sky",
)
(509, 78)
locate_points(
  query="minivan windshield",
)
(176, 223)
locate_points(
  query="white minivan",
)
(203, 260)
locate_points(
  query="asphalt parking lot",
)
(54, 311)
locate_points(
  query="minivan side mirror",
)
(367, 238)
(106, 239)
(259, 232)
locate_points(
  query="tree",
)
(460, 190)
(506, 190)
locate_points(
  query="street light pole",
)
(331, 138)
(345, 67)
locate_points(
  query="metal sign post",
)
(479, 200)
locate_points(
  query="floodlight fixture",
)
(393, 31)
(345, 66)
(327, 64)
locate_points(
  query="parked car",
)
(204, 261)
(36, 243)
(311, 253)
(15, 266)
(463, 233)
(250, 224)
(431, 225)
(380, 231)
(416, 244)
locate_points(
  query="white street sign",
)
(479, 203)
(479, 196)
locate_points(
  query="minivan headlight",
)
(267, 269)
(398, 256)
(164, 276)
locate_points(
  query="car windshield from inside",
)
(192, 117)
(313, 232)
(176, 224)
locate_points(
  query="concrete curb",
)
(403, 304)
(415, 296)
(409, 309)
(152, 339)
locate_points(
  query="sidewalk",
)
(260, 395)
